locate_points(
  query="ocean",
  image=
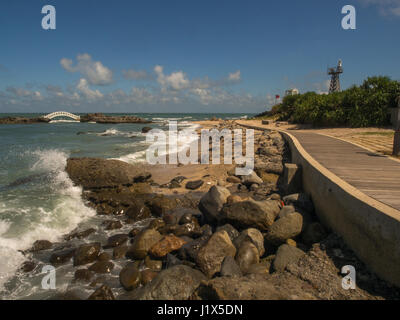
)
(37, 198)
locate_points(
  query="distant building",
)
(292, 92)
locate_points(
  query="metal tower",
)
(335, 81)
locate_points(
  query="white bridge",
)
(62, 114)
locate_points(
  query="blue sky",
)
(184, 55)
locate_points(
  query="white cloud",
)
(132, 74)
(175, 81)
(83, 87)
(94, 71)
(385, 7)
(235, 76)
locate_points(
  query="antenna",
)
(335, 81)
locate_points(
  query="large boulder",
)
(251, 214)
(86, 253)
(286, 255)
(176, 283)
(142, 243)
(138, 211)
(212, 202)
(285, 228)
(251, 179)
(247, 255)
(129, 277)
(116, 240)
(230, 268)
(254, 236)
(160, 205)
(212, 253)
(100, 173)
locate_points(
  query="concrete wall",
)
(370, 228)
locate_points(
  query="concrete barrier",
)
(370, 228)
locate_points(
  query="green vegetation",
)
(359, 106)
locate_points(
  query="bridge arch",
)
(62, 114)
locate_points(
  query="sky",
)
(185, 55)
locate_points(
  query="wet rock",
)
(188, 229)
(80, 235)
(116, 240)
(112, 224)
(212, 202)
(230, 268)
(157, 224)
(104, 256)
(61, 257)
(300, 200)
(213, 252)
(102, 293)
(152, 264)
(186, 218)
(142, 177)
(134, 232)
(194, 185)
(146, 129)
(86, 253)
(120, 252)
(138, 211)
(166, 245)
(251, 179)
(100, 173)
(28, 266)
(285, 228)
(147, 276)
(232, 232)
(142, 243)
(314, 233)
(160, 205)
(83, 275)
(41, 245)
(129, 277)
(286, 255)
(250, 213)
(176, 283)
(247, 255)
(254, 236)
(190, 250)
(102, 267)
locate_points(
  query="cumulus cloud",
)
(385, 7)
(83, 87)
(94, 71)
(175, 81)
(23, 93)
(235, 76)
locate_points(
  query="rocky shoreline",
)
(218, 236)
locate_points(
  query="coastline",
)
(158, 233)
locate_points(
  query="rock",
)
(138, 211)
(230, 268)
(254, 236)
(194, 185)
(142, 177)
(232, 232)
(129, 277)
(314, 233)
(285, 211)
(190, 250)
(252, 178)
(100, 173)
(112, 224)
(155, 265)
(258, 268)
(147, 276)
(102, 267)
(120, 252)
(84, 275)
(80, 235)
(61, 257)
(285, 255)
(186, 218)
(166, 245)
(300, 200)
(247, 255)
(269, 167)
(86, 253)
(274, 196)
(142, 243)
(157, 224)
(178, 179)
(292, 180)
(140, 188)
(134, 232)
(188, 229)
(291, 242)
(213, 252)
(176, 283)
(28, 266)
(250, 213)
(234, 198)
(160, 205)
(116, 240)
(285, 228)
(233, 179)
(102, 293)
(212, 202)
(104, 256)
(146, 129)
(41, 245)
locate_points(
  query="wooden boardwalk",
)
(375, 175)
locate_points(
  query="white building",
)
(291, 92)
